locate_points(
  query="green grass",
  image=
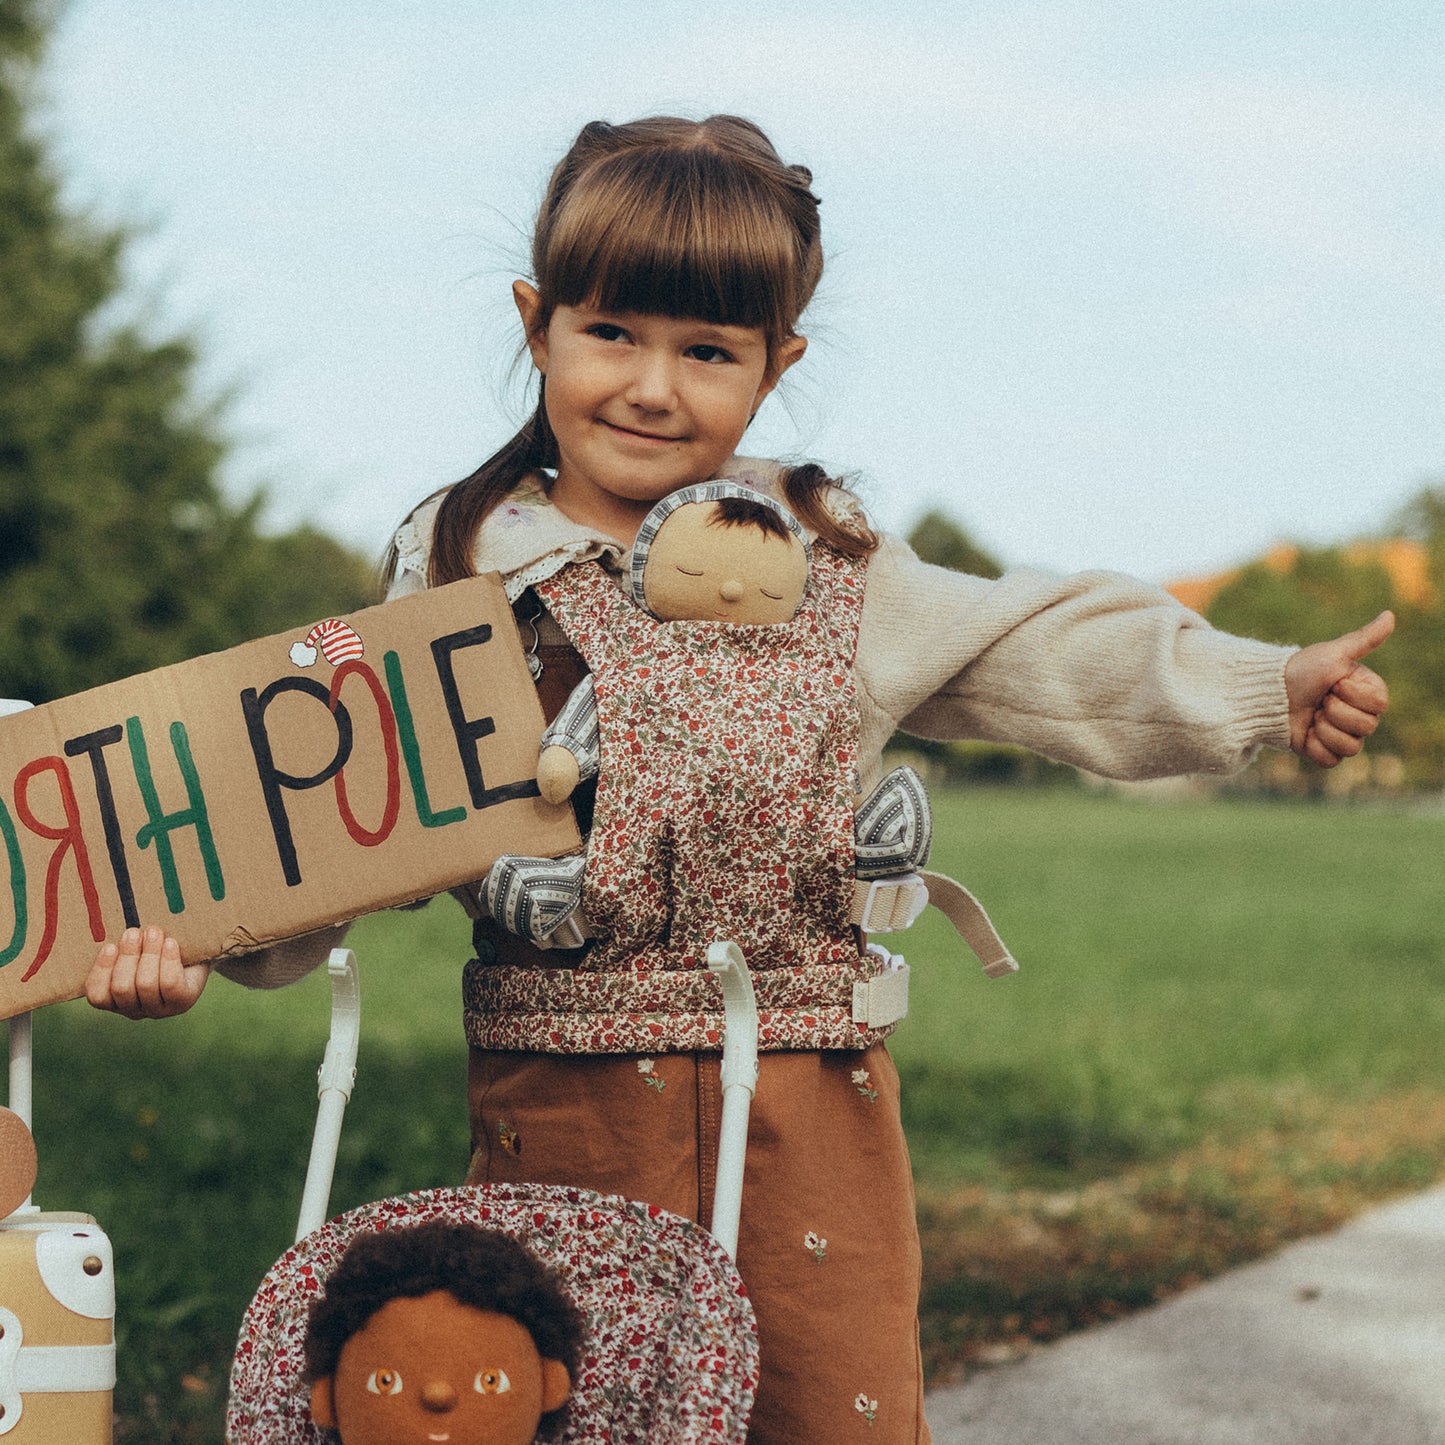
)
(1221, 1008)
(1172, 957)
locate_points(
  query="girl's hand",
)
(1334, 702)
(142, 977)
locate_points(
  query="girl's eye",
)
(606, 331)
(384, 1382)
(491, 1382)
(707, 353)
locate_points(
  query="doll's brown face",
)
(433, 1371)
(701, 570)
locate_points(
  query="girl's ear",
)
(790, 351)
(787, 353)
(529, 308)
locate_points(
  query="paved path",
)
(1338, 1340)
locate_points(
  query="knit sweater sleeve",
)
(1096, 669)
(282, 963)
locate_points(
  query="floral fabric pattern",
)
(724, 810)
(671, 1353)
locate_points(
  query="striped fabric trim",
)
(893, 829)
(532, 897)
(575, 728)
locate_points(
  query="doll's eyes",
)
(776, 596)
(491, 1382)
(384, 1382)
(686, 573)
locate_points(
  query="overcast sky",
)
(1133, 285)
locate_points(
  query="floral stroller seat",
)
(671, 1354)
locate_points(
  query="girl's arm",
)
(142, 977)
(1096, 669)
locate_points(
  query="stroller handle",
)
(739, 1080)
(334, 1082)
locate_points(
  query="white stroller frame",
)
(337, 1076)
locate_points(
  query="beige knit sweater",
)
(1095, 669)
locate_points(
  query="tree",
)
(1417, 681)
(118, 550)
(1321, 594)
(937, 538)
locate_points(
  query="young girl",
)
(672, 261)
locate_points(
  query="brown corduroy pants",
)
(828, 1246)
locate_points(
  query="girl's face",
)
(641, 404)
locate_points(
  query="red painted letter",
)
(366, 836)
(67, 837)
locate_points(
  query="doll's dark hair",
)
(479, 1267)
(744, 512)
(670, 217)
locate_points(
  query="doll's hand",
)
(142, 977)
(557, 773)
(1334, 702)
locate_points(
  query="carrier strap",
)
(888, 904)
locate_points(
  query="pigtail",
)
(805, 490)
(465, 505)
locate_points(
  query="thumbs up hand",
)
(1335, 701)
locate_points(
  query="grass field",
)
(1227, 1031)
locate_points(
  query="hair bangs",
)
(683, 232)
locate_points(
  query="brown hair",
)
(668, 217)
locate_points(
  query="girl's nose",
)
(438, 1396)
(731, 591)
(652, 385)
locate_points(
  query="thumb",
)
(1364, 640)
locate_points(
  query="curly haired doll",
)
(442, 1332)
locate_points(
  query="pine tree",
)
(937, 538)
(118, 550)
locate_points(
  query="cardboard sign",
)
(263, 792)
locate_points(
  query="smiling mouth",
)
(645, 436)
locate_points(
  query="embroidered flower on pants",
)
(646, 1068)
(815, 1246)
(863, 1083)
(867, 1408)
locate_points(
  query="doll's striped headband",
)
(698, 492)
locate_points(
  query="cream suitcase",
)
(57, 1296)
(57, 1330)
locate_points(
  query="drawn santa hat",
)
(338, 641)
